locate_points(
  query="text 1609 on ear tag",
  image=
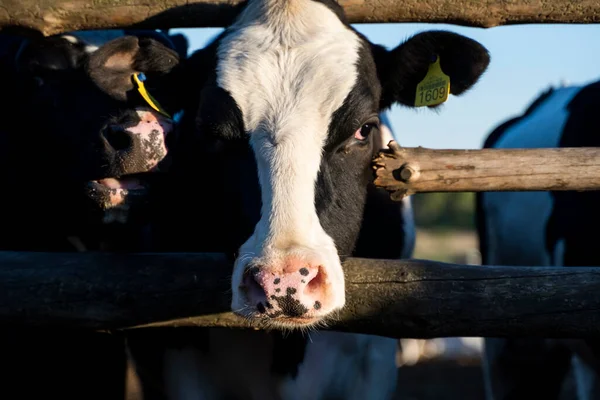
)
(434, 88)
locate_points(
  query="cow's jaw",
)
(288, 69)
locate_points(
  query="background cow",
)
(284, 107)
(542, 229)
(82, 137)
(80, 152)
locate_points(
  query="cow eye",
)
(364, 131)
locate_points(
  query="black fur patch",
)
(345, 168)
(576, 214)
(288, 352)
(112, 65)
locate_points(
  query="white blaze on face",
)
(289, 69)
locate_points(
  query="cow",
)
(277, 136)
(542, 229)
(91, 142)
(82, 151)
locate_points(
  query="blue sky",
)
(526, 59)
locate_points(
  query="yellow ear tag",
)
(139, 80)
(434, 88)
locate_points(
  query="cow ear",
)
(39, 58)
(402, 69)
(113, 66)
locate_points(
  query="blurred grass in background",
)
(446, 227)
(445, 232)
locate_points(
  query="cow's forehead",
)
(288, 64)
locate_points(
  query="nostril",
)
(117, 137)
(254, 289)
(249, 280)
(316, 283)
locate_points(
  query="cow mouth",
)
(121, 184)
(117, 191)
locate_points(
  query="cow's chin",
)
(285, 323)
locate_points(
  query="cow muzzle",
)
(292, 288)
(137, 154)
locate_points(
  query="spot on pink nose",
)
(295, 291)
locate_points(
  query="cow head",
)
(90, 134)
(289, 114)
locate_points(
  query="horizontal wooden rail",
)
(404, 171)
(409, 298)
(51, 17)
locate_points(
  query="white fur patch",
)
(350, 366)
(288, 69)
(516, 221)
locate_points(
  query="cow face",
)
(90, 132)
(292, 110)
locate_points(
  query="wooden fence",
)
(51, 17)
(410, 298)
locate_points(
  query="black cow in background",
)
(543, 229)
(82, 152)
(83, 146)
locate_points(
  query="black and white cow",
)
(542, 229)
(80, 151)
(81, 137)
(284, 108)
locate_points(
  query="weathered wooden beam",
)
(51, 17)
(410, 298)
(405, 171)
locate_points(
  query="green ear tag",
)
(434, 88)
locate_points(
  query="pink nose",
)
(299, 289)
(141, 147)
